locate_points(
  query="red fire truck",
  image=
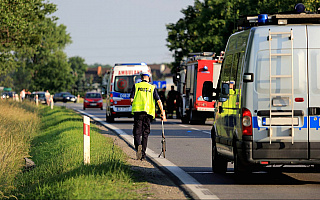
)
(192, 73)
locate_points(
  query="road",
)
(189, 148)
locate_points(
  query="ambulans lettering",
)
(129, 72)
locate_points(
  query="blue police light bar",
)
(117, 64)
(262, 18)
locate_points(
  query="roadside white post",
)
(13, 97)
(78, 99)
(17, 97)
(86, 140)
(51, 101)
(37, 100)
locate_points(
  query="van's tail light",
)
(246, 122)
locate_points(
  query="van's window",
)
(124, 84)
(241, 57)
(226, 69)
(233, 76)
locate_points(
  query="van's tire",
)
(219, 164)
(239, 168)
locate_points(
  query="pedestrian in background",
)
(171, 100)
(47, 95)
(23, 94)
(143, 97)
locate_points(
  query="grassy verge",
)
(18, 121)
(57, 150)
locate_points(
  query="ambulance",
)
(118, 87)
(268, 95)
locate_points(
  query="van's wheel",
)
(219, 165)
(239, 168)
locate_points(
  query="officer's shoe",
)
(143, 158)
(139, 152)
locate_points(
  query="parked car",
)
(7, 94)
(41, 97)
(93, 100)
(64, 97)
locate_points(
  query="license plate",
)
(123, 109)
(72, 99)
(93, 104)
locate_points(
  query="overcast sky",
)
(115, 31)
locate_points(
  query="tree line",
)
(207, 25)
(31, 50)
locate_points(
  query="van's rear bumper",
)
(249, 153)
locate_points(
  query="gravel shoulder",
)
(160, 186)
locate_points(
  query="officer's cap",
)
(145, 73)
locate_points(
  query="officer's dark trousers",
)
(141, 128)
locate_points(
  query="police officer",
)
(143, 96)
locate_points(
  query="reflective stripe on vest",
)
(143, 99)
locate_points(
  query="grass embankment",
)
(18, 122)
(57, 150)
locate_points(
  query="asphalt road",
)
(189, 147)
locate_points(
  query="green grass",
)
(18, 122)
(57, 150)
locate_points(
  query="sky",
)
(117, 31)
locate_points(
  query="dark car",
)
(41, 97)
(92, 100)
(64, 97)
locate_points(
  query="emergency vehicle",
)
(197, 69)
(119, 84)
(268, 95)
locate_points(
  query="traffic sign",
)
(159, 84)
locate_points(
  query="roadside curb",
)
(191, 187)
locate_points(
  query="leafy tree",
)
(20, 29)
(49, 67)
(79, 68)
(207, 25)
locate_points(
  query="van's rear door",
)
(314, 89)
(279, 145)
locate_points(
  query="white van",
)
(268, 102)
(119, 84)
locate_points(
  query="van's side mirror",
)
(247, 77)
(225, 89)
(208, 90)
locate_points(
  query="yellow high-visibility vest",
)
(143, 99)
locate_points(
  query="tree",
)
(20, 29)
(79, 68)
(207, 25)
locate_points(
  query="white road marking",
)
(187, 180)
(183, 125)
